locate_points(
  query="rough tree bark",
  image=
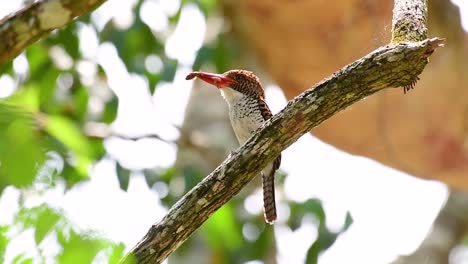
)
(409, 21)
(23, 28)
(394, 65)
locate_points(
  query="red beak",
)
(217, 80)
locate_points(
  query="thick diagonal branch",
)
(21, 29)
(390, 66)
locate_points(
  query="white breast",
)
(244, 113)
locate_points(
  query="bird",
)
(245, 96)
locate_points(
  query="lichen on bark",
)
(409, 21)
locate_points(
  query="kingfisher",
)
(248, 110)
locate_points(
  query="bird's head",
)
(241, 81)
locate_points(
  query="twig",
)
(101, 130)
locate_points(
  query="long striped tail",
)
(269, 203)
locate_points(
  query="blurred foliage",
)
(49, 225)
(43, 139)
(325, 237)
(21, 148)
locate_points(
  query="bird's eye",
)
(238, 78)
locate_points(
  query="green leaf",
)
(222, 231)
(22, 150)
(225, 52)
(174, 19)
(69, 134)
(43, 77)
(154, 175)
(6, 67)
(3, 242)
(47, 84)
(325, 239)
(72, 175)
(21, 259)
(132, 44)
(110, 111)
(298, 210)
(169, 70)
(315, 206)
(79, 248)
(117, 252)
(263, 246)
(207, 6)
(42, 218)
(153, 80)
(80, 100)
(85, 151)
(348, 222)
(26, 99)
(123, 175)
(167, 175)
(10, 112)
(204, 55)
(38, 59)
(46, 221)
(192, 176)
(323, 242)
(221, 53)
(68, 39)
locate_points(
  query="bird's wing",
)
(264, 109)
(266, 113)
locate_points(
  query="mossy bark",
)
(409, 21)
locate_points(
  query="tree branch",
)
(394, 65)
(23, 28)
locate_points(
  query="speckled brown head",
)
(242, 81)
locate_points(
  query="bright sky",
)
(382, 201)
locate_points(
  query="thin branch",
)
(102, 130)
(394, 65)
(146, 136)
(23, 28)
